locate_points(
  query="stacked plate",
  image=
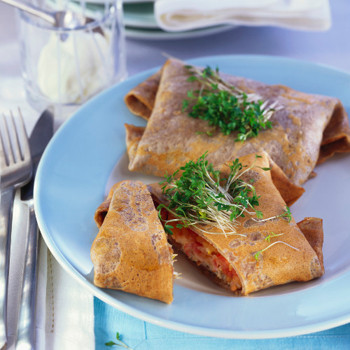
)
(140, 23)
(139, 19)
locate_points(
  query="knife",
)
(40, 137)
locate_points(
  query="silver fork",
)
(15, 171)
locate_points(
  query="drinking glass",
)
(65, 67)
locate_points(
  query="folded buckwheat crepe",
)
(306, 129)
(130, 252)
(263, 252)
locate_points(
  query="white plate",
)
(158, 34)
(140, 23)
(71, 183)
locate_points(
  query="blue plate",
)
(71, 183)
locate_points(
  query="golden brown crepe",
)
(141, 99)
(234, 254)
(306, 131)
(130, 252)
(288, 251)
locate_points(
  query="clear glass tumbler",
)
(64, 67)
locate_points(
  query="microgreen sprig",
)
(120, 342)
(286, 214)
(268, 239)
(225, 106)
(202, 196)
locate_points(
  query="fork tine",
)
(15, 155)
(3, 158)
(16, 147)
(21, 130)
(7, 143)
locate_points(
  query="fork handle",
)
(26, 321)
(7, 198)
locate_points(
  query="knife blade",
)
(38, 140)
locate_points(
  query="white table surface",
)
(330, 48)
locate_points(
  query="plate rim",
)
(178, 326)
(139, 33)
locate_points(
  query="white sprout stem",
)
(244, 171)
(226, 233)
(267, 219)
(222, 215)
(223, 86)
(278, 242)
(273, 235)
(270, 218)
(213, 216)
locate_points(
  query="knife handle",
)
(26, 322)
(7, 198)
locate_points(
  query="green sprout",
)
(225, 106)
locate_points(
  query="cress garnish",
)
(225, 106)
(268, 239)
(119, 343)
(202, 196)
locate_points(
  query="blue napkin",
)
(140, 335)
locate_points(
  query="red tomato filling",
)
(203, 253)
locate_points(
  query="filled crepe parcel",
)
(300, 130)
(255, 253)
(130, 251)
(246, 239)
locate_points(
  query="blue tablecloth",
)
(140, 335)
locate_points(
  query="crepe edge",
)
(140, 99)
(114, 269)
(336, 136)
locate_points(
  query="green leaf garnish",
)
(208, 133)
(257, 255)
(259, 214)
(110, 343)
(120, 342)
(287, 214)
(168, 228)
(202, 196)
(225, 106)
